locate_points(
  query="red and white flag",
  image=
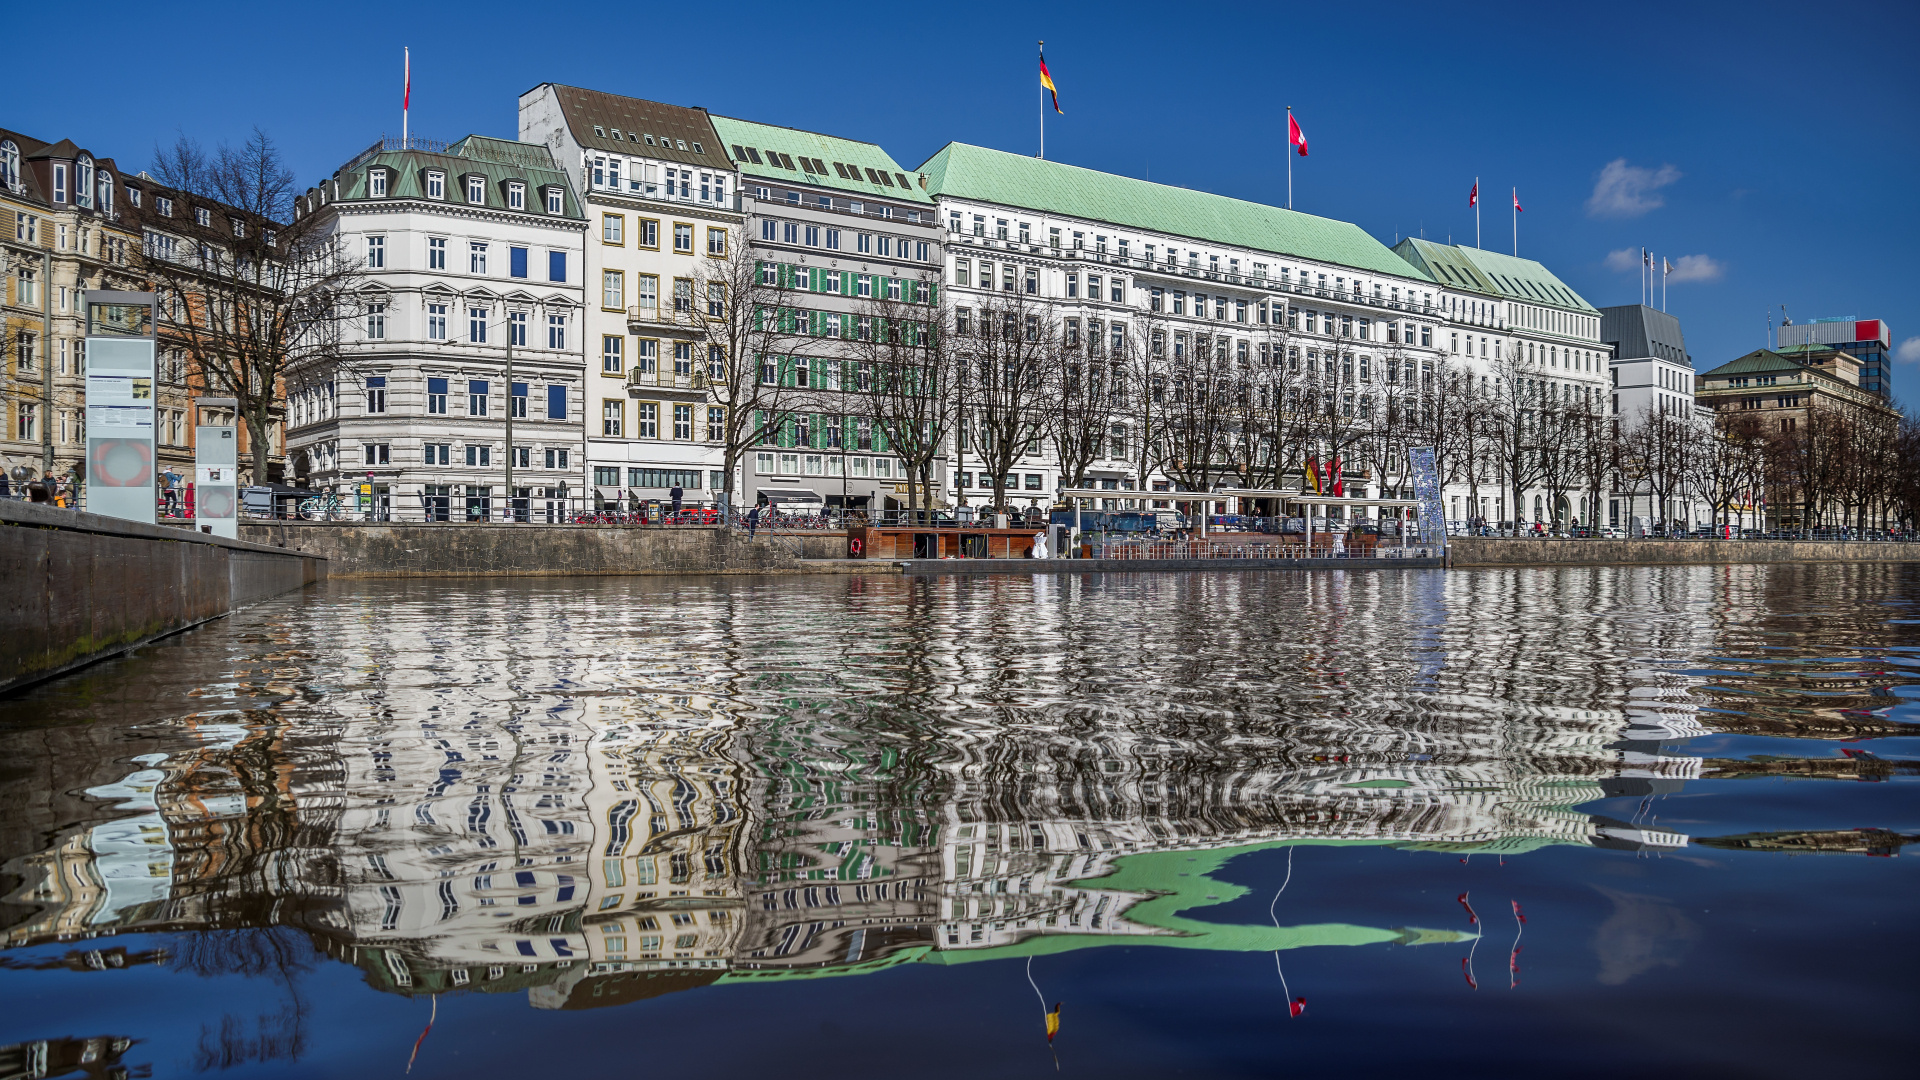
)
(1295, 137)
(406, 95)
(1473, 197)
(1516, 202)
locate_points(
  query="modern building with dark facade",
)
(1868, 339)
(1652, 372)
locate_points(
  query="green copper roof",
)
(496, 160)
(1759, 360)
(1012, 180)
(745, 140)
(1491, 274)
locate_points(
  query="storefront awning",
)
(792, 495)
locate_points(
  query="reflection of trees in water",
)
(278, 953)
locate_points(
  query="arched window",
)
(10, 164)
(83, 183)
(106, 192)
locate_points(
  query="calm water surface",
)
(1575, 822)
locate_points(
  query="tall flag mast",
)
(1473, 200)
(1297, 142)
(1046, 81)
(406, 94)
(1517, 211)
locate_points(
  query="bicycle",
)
(321, 507)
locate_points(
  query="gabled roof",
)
(1490, 273)
(1764, 361)
(647, 128)
(806, 157)
(1013, 180)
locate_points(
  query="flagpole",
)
(1516, 223)
(406, 96)
(1476, 216)
(1289, 157)
(1043, 112)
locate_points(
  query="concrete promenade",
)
(81, 587)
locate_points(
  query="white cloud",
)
(1623, 260)
(1909, 350)
(1625, 190)
(1696, 268)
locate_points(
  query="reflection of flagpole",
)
(1295, 1006)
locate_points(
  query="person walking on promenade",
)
(753, 520)
(676, 494)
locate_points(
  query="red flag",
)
(1473, 197)
(406, 95)
(1516, 202)
(1297, 1006)
(1295, 137)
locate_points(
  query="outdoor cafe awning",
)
(792, 495)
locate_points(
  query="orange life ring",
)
(853, 546)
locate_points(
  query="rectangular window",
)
(716, 425)
(683, 238)
(437, 322)
(556, 331)
(376, 453)
(717, 242)
(516, 196)
(611, 361)
(557, 403)
(683, 294)
(556, 201)
(647, 293)
(477, 325)
(646, 420)
(479, 455)
(646, 232)
(646, 356)
(613, 229)
(437, 396)
(376, 321)
(477, 397)
(610, 414)
(517, 262)
(556, 266)
(683, 422)
(376, 252)
(476, 257)
(613, 290)
(517, 329)
(437, 253)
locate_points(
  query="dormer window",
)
(377, 183)
(239, 228)
(649, 140)
(133, 195)
(476, 189)
(59, 181)
(516, 195)
(203, 217)
(83, 181)
(616, 134)
(164, 205)
(106, 192)
(680, 143)
(599, 132)
(556, 201)
(436, 184)
(697, 150)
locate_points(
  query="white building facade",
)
(467, 252)
(662, 202)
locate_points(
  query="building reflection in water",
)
(605, 809)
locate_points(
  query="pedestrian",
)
(753, 520)
(6, 485)
(37, 492)
(172, 493)
(676, 495)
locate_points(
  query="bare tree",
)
(905, 357)
(256, 288)
(751, 324)
(1085, 399)
(1010, 355)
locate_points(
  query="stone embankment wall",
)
(1488, 551)
(355, 549)
(81, 587)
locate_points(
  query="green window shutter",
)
(933, 293)
(813, 278)
(786, 431)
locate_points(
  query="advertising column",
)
(216, 498)
(120, 405)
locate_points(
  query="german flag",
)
(1053, 1018)
(1046, 80)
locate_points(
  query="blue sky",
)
(1772, 146)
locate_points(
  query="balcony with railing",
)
(670, 376)
(656, 319)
